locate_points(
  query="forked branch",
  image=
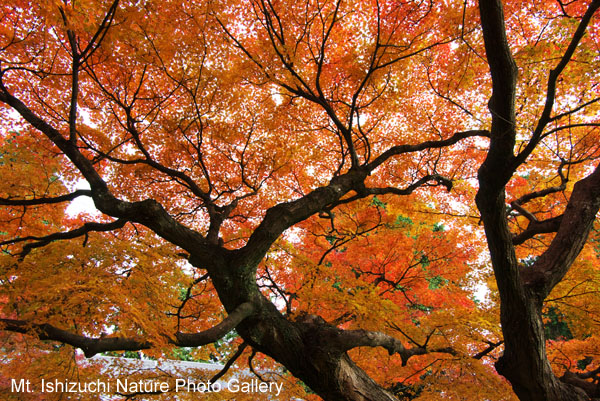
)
(545, 118)
(349, 339)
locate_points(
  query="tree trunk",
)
(310, 355)
(524, 362)
(306, 348)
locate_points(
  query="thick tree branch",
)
(524, 362)
(92, 346)
(349, 339)
(591, 389)
(345, 340)
(89, 346)
(402, 149)
(214, 333)
(497, 168)
(284, 215)
(148, 212)
(363, 338)
(536, 227)
(570, 238)
(78, 232)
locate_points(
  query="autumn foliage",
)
(358, 199)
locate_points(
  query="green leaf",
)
(436, 282)
(403, 221)
(375, 201)
(438, 227)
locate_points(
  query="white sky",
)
(82, 204)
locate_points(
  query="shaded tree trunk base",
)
(551, 389)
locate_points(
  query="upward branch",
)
(284, 215)
(545, 118)
(575, 225)
(148, 212)
(497, 168)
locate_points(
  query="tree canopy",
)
(372, 200)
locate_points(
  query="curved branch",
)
(401, 149)
(78, 232)
(45, 200)
(92, 346)
(536, 227)
(545, 118)
(230, 362)
(345, 340)
(147, 212)
(348, 339)
(572, 234)
(423, 181)
(89, 346)
(214, 333)
(282, 216)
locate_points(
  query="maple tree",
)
(331, 179)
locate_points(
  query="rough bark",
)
(323, 365)
(311, 350)
(92, 346)
(524, 362)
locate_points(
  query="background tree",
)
(314, 175)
